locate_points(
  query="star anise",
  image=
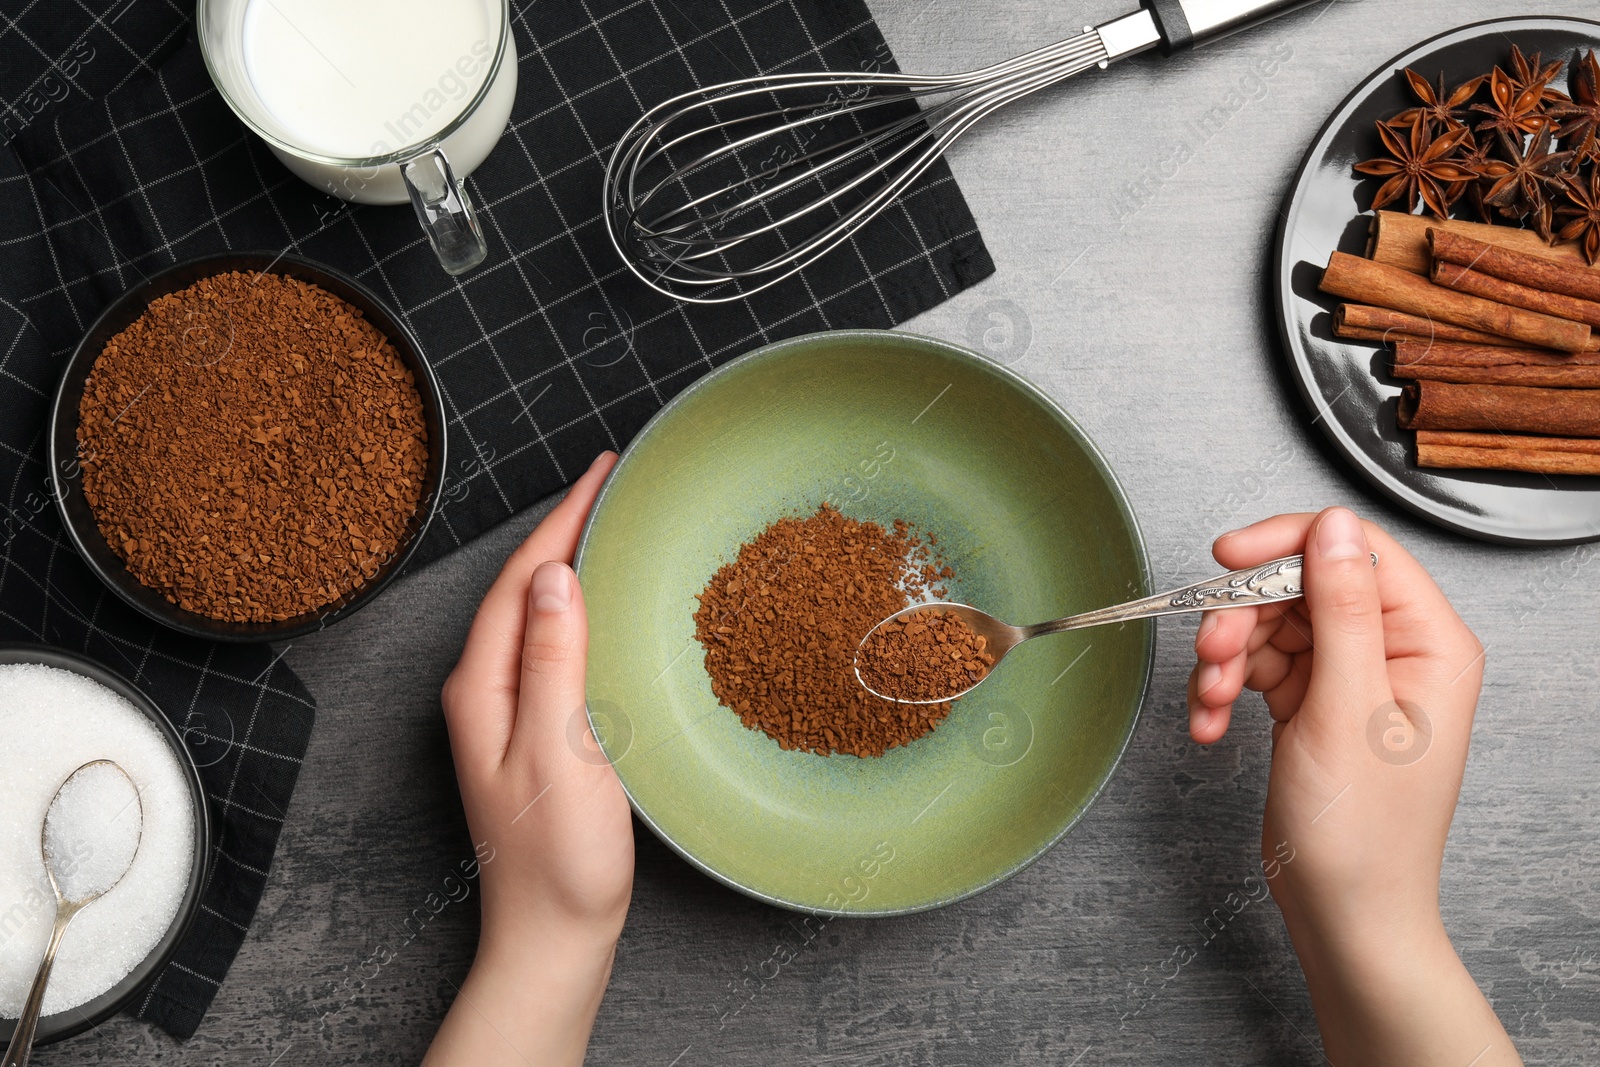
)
(1527, 72)
(1445, 111)
(1582, 113)
(1473, 155)
(1514, 111)
(1585, 213)
(1520, 184)
(1418, 166)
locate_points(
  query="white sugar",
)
(91, 831)
(53, 722)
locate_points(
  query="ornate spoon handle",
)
(1276, 580)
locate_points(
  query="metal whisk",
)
(721, 192)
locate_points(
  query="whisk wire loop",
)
(724, 191)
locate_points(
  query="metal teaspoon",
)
(1268, 583)
(20, 1049)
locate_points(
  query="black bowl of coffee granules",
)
(247, 446)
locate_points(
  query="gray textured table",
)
(1130, 217)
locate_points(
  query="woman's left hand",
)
(549, 820)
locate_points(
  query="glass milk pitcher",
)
(375, 101)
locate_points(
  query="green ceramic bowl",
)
(885, 426)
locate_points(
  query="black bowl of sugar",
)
(58, 712)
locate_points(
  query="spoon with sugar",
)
(931, 653)
(91, 834)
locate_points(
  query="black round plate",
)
(96, 1011)
(79, 518)
(1345, 384)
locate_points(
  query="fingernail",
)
(600, 457)
(552, 587)
(1208, 623)
(1210, 675)
(1339, 535)
(1200, 720)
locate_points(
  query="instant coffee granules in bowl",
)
(255, 442)
(781, 623)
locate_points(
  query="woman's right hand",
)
(1371, 680)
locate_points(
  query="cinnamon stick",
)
(1536, 272)
(1466, 439)
(1367, 323)
(1361, 333)
(1363, 322)
(1418, 351)
(1511, 452)
(1367, 282)
(1433, 405)
(1550, 377)
(1401, 240)
(1471, 280)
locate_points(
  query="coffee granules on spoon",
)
(252, 447)
(781, 623)
(928, 655)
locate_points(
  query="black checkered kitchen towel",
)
(123, 159)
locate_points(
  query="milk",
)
(353, 79)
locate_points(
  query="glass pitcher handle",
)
(445, 211)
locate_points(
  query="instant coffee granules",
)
(928, 655)
(252, 447)
(781, 623)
